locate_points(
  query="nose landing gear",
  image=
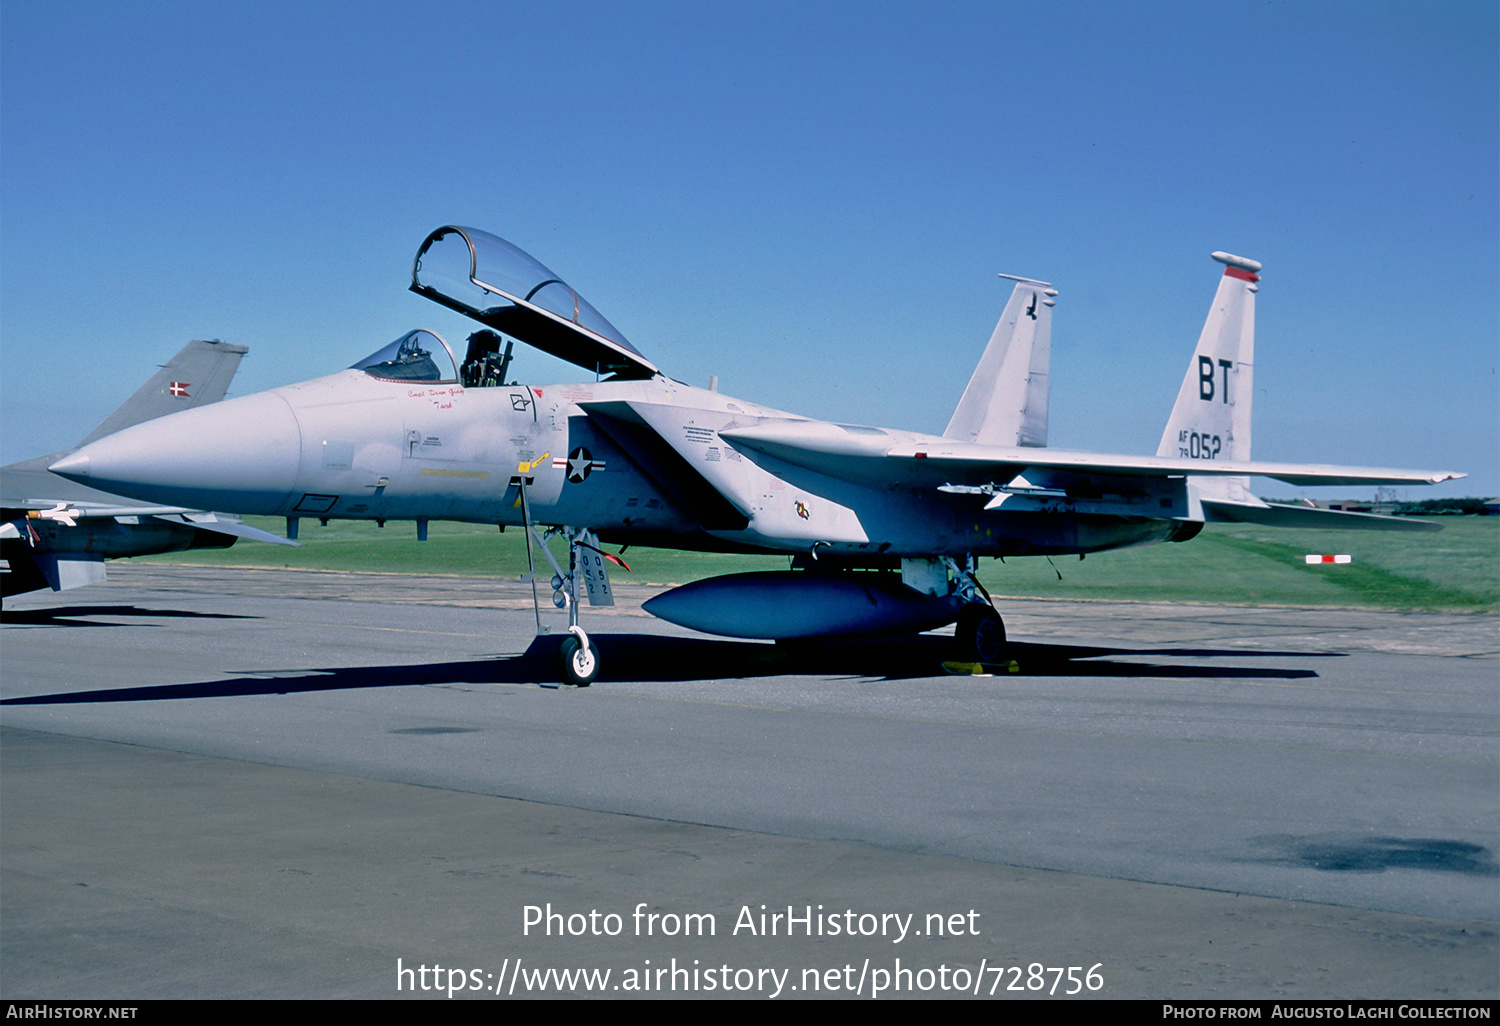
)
(578, 659)
(577, 656)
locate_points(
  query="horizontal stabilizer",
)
(1280, 515)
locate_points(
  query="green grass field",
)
(1455, 570)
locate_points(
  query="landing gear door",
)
(593, 566)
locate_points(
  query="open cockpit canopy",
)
(484, 277)
(419, 355)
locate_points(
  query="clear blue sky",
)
(809, 200)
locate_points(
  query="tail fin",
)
(1211, 419)
(199, 374)
(1006, 400)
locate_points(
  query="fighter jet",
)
(884, 528)
(56, 533)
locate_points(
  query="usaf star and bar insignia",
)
(579, 465)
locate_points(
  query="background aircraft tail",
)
(65, 546)
(1211, 419)
(199, 374)
(1006, 400)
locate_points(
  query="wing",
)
(890, 460)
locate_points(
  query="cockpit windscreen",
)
(419, 355)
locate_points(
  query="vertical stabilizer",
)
(1006, 401)
(1211, 420)
(199, 374)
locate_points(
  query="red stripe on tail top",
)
(1241, 273)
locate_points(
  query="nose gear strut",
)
(578, 656)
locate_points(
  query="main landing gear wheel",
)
(579, 658)
(980, 634)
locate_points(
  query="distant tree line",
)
(1467, 506)
(1471, 505)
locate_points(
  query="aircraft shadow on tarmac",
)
(633, 658)
(68, 616)
(1349, 853)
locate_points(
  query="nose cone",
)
(237, 456)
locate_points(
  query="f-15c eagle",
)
(885, 527)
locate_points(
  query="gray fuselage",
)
(638, 461)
